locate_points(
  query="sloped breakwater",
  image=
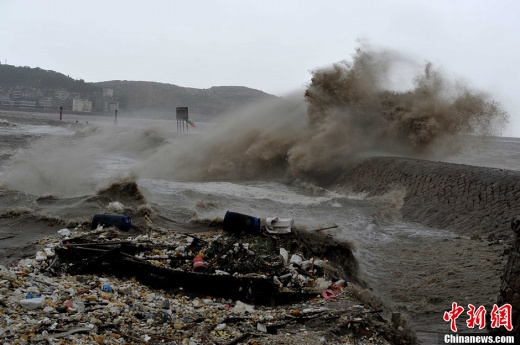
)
(473, 200)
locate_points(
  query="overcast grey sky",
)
(266, 45)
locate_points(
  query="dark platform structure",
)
(182, 118)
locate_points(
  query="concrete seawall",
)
(510, 288)
(474, 200)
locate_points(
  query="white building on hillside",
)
(108, 92)
(81, 105)
(61, 95)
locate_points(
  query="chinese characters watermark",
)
(500, 316)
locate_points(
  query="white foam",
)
(258, 191)
(45, 129)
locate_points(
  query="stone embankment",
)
(474, 200)
(510, 288)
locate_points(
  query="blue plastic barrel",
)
(236, 223)
(123, 223)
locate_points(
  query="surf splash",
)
(353, 113)
(79, 163)
(350, 110)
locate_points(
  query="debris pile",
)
(95, 287)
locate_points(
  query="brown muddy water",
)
(52, 171)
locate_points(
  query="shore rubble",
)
(43, 302)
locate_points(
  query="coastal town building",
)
(45, 103)
(108, 92)
(61, 94)
(81, 105)
(52, 100)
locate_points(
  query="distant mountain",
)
(12, 76)
(138, 97)
(159, 97)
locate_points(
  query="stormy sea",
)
(276, 159)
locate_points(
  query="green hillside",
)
(140, 95)
(12, 76)
(135, 97)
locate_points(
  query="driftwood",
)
(239, 339)
(60, 335)
(328, 228)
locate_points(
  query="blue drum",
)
(236, 223)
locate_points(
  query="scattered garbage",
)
(327, 294)
(41, 256)
(33, 303)
(220, 327)
(123, 223)
(247, 274)
(296, 259)
(238, 264)
(64, 232)
(340, 283)
(198, 263)
(99, 288)
(275, 225)
(115, 206)
(49, 252)
(267, 328)
(241, 307)
(285, 255)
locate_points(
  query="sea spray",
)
(249, 144)
(350, 111)
(78, 164)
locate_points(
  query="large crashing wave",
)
(349, 112)
(352, 113)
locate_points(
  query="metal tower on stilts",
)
(182, 118)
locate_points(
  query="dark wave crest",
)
(122, 189)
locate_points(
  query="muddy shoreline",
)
(375, 329)
(467, 268)
(451, 279)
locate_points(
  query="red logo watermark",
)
(500, 316)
